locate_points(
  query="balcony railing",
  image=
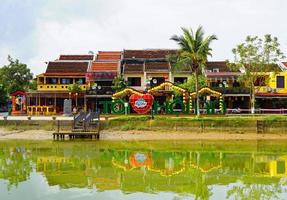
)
(105, 90)
(232, 90)
(57, 87)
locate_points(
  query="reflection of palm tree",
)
(201, 191)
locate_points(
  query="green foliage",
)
(190, 83)
(256, 57)
(3, 94)
(119, 83)
(194, 49)
(75, 87)
(33, 85)
(15, 76)
(193, 53)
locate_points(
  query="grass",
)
(187, 123)
(27, 125)
(271, 118)
(163, 122)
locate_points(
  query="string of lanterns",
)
(126, 92)
(185, 94)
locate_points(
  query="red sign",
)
(141, 104)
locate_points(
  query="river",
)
(175, 170)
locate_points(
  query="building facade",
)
(142, 70)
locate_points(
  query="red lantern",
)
(141, 104)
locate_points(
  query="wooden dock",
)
(75, 135)
(84, 125)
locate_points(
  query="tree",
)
(33, 85)
(190, 83)
(193, 53)
(3, 94)
(256, 57)
(75, 88)
(15, 76)
(119, 83)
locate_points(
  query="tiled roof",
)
(76, 57)
(67, 67)
(157, 66)
(147, 54)
(133, 68)
(109, 55)
(104, 66)
(106, 61)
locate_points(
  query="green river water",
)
(173, 170)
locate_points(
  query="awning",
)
(270, 95)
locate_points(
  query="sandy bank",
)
(143, 135)
(25, 135)
(147, 135)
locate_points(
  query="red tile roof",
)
(148, 54)
(67, 67)
(133, 68)
(157, 66)
(110, 52)
(108, 57)
(106, 61)
(76, 57)
(104, 66)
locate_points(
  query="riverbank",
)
(134, 127)
(142, 135)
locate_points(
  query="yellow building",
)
(272, 94)
(53, 85)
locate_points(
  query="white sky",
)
(36, 31)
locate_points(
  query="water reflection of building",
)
(193, 170)
(273, 166)
(153, 171)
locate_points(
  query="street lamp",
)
(95, 88)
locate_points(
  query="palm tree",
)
(193, 53)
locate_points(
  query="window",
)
(179, 80)
(280, 82)
(134, 81)
(261, 81)
(280, 167)
(80, 80)
(215, 70)
(66, 81)
(41, 80)
(51, 80)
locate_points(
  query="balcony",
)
(267, 89)
(105, 90)
(232, 90)
(56, 87)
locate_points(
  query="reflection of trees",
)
(255, 191)
(201, 187)
(179, 171)
(15, 165)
